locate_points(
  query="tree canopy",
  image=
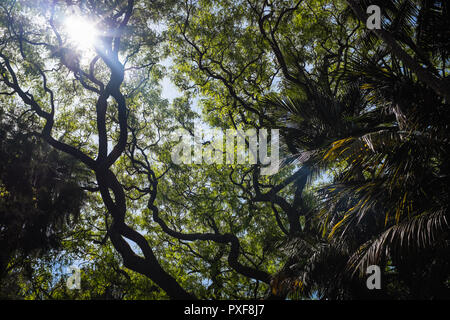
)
(87, 140)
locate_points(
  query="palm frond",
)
(412, 235)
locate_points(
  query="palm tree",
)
(385, 133)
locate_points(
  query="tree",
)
(387, 200)
(363, 180)
(22, 62)
(118, 106)
(40, 199)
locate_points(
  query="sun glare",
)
(81, 32)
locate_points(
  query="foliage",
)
(363, 122)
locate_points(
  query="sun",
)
(81, 32)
